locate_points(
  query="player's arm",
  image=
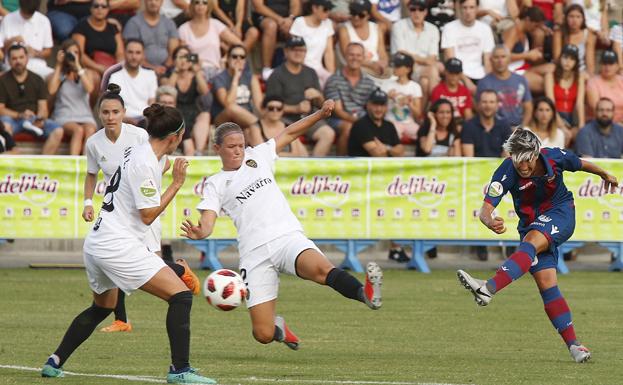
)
(610, 181)
(89, 188)
(203, 229)
(501, 182)
(495, 224)
(149, 214)
(299, 127)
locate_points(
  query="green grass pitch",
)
(428, 331)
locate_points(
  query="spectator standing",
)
(513, 91)
(100, 40)
(566, 87)
(271, 124)
(469, 40)
(64, 16)
(439, 135)
(360, 29)
(237, 92)
(33, 30)
(158, 33)
(274, 18)
(189, 80)
(602, 137)
(455, 91)
(317, 30)
(203, 34)
(419, 39)
(70, 86)
(234, 14)
(608, 84)
(350, 88)
(544, 124)
(574, 31)
(299, 88)
(405, 99)
(138, 84)
(24, 101)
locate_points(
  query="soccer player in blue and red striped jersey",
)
(534, 177)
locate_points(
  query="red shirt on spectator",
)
(461, 99)
(547, 6)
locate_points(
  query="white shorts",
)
(127, 271)
(261, 266)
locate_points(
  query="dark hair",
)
(272, 98)
(604, 99)
(93, 2)
(133, 40)
(163, 121)
(112, 93)
(576, 67)
(179, 48)
(67, 43)
(435, 107)
(16, 45)
(535, 14)
(29, 6)
(551, 125)
(565, 26)
(488, 91)
(462, 1)
(233, 47)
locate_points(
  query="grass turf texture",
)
(429, 330)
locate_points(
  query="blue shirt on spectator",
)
(486, 144)
(592, 142)
(512, 93)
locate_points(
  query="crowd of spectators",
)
(458, 75)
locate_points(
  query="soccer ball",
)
(224, 289)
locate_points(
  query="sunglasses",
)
(274, 108)
(102, 6)
(360, 15)
(238, 57)
(204, 2)
(417, 9)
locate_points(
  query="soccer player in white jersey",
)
(270, 238)
(105, 151)
(115, 255)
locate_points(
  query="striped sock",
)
(513, 268)
(558, 312)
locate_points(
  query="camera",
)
(70, 57)
(193, 58)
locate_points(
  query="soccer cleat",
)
(579, 353)
(289, 338)
(189, 376)
(478, 287)
(190, 279)
(372, 288)
(117, 326)
(50, 369)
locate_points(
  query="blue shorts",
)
(557, 224)
(17, 125)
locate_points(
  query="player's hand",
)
(497, 225)
(179, 171)
(191, 231)
(88, 213)
(327, 108)
(610, 183)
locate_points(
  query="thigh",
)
(288, 248)
(99, 282)
(49, 126)
(312, 265)
(556, 224)
(15, 125)
(164, 284)
(261, 280)
(263, 315)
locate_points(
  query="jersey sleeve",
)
(210, 197)
(568, 160)
(502, 181)
(144, 187)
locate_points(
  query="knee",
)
(269, 26)
(324, 134)
(264, 334)
(57, 134)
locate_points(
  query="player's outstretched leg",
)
(190, 279)
(478, 287)
(120, 324)
(513, 268)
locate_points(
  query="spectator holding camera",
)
(299, 88)
(439, 135)
(236, 92)
(24, 102)
(271, 124)
(70, 86)
(189, 80)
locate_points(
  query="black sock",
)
(278, 336)
(167, 253)
(178, 269)
(345, 284)
(178, 328)
(120, 308)
(79, 330)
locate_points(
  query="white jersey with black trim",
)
(251, 197)
(135, 185)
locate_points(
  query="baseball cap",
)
(402, 60)
(327, 4)
(418, 4)
(454, 65)
(378, 97)
(609, 57)
(571, 50)
(295, 41)
(360, 6)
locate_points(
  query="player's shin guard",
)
(345, 284)
(178, 328)
(513, 268)
(120, 308)
(558, 312)
(79, 330)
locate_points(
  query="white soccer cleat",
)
(478, 287)
(372, 288)
(579, 353)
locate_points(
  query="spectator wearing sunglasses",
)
(24, 102)
(272, 124)
(236, 92)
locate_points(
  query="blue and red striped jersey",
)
(535, 195)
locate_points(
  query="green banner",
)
(361, 198)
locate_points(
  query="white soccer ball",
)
(224, 289)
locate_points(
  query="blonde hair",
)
(522, 145)
(191, 9)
